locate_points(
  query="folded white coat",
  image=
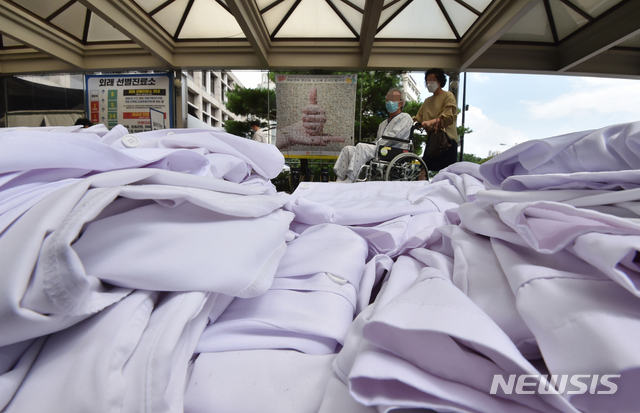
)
(310, 304)
(525, 265)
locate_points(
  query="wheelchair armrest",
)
(392, 138)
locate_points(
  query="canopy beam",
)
(370, 19)
(615, 27)
(496, 21)
(133, 23)
(248, 16)
(19, 25)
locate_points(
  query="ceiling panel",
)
(101, 31)
(198, 23)
(264, 3)
(150, 5)
(314, 18)
(566, 19)
(9, 42)
(390, 10)
(72, 20)
(479, 5)
(633, 42)
(274, 16)
(595, 7)
(461, 17)
(353, 16)
(533, 27)
(41, 8)
(357, 3)
(169, 17)
(421, 19)
(322, 34)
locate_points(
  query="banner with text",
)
(316, 113)
(129, 100)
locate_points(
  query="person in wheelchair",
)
(397, 125)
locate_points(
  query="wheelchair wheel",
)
(405, 167)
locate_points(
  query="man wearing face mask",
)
(439, 111)
(397, 125)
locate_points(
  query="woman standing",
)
(437, 112)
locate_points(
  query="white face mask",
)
(432, 86)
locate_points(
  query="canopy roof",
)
(586, 37)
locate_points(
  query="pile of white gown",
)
(162, 272)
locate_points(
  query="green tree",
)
(252, 103)
(374, 86)
(468, 157)
(411, 107)
(463, 130)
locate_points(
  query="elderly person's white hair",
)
(403, 96)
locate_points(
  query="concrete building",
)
(266, 83)
(207, 95)
(410, 87)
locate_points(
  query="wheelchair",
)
(394, 161)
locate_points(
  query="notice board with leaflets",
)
(130, 100)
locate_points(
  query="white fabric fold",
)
(265, 381)
(76, 365)
(437, 333)
(613, 148)
(170, 276)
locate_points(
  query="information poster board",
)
(316, 114)
(129, 100)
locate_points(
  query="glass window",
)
(3, 109)
(46, 92)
